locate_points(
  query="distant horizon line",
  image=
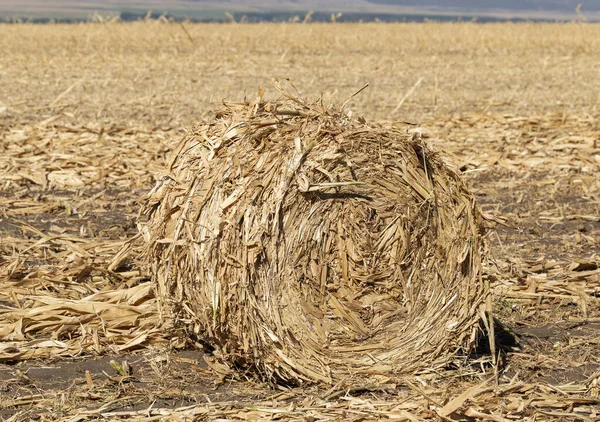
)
(301, 17)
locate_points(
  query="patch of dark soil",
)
(5, 305)
(559, 332)
(560, 353)
(573, 374)
(109, 224)
(157, 379)
(59, 374)
(29, 214)
(110, 213)
(544, 217)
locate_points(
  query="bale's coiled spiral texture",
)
(311, 247)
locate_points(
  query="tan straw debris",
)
(308, 246)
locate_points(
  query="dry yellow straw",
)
(309, 247)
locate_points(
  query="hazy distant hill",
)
(517, 5)
(287, 9)
(453, 5)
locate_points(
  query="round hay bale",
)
(310, 247)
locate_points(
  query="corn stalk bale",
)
(308, 247)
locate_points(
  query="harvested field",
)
(89, 114)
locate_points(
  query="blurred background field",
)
(299, 10)
(156, 73)
(89, 113)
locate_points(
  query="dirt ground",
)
(89, 114)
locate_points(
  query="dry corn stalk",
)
(310, 247)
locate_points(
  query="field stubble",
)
(88, 114)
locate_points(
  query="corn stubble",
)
(310, 247)
(89, 111)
